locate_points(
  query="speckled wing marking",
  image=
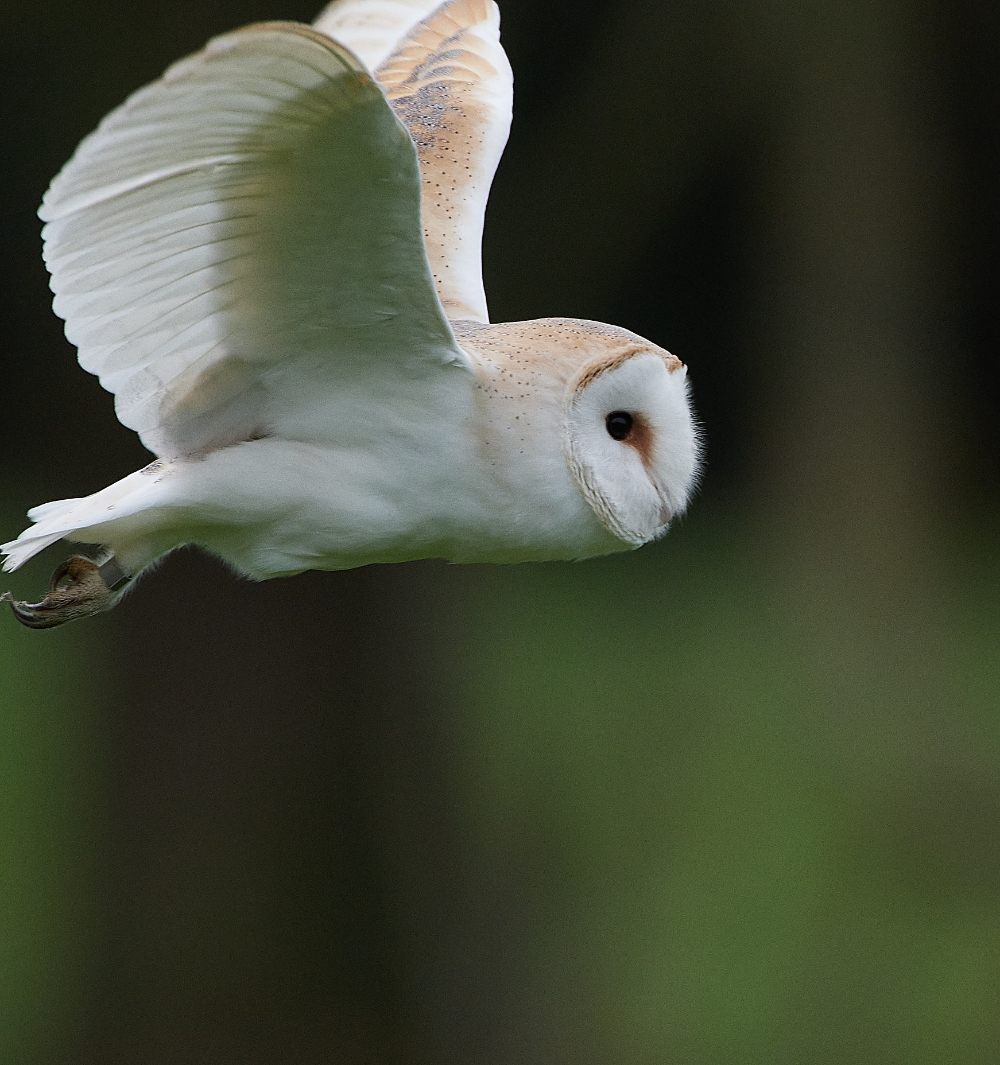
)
(372, 28)
(451, 84)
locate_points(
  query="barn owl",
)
(271, 256)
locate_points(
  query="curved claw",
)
(78, 590)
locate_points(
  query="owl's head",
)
(608, 407)
(630, 437)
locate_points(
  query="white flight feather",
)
(241, 238)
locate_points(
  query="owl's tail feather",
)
(36, 539)
(83, 519)
(18, 551)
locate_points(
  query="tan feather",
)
(450, 83)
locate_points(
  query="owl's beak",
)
(79, 589)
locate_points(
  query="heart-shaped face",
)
(631, 441)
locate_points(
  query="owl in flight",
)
(271, 256)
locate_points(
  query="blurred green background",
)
(734, 798)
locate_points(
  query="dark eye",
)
(619, 424)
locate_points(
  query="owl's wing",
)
(450, 83)
(241, 239)
(448, 79)
(372, 29)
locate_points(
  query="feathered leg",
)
(80, 587)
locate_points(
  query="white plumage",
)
(272, 258)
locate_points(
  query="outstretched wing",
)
(372, 29)
(449, 81)
(242, 238)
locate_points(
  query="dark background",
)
(734, 798)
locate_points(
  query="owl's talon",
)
(79, 588)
